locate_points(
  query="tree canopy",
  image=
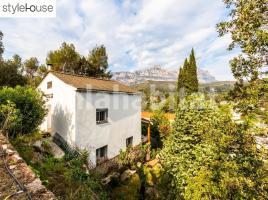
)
(247, 25)
(211, 157)
(187, 78)
(11, 72)
(63, 59)
(67, 59)
(1, 45)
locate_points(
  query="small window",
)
(49, 84)
(101, 154)
(129, 142)
(101, 116)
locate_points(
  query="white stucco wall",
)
(62, 108)
(124, 120)
(74, 117)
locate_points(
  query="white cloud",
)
(137, 34)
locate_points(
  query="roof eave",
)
(107, 91)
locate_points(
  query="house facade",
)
(101, 116)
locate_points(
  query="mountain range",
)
(157, 73)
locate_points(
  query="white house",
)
(102, 116)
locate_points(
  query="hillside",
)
(170, 86)
(157, 73)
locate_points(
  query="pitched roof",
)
(148, 115)
(93, 84)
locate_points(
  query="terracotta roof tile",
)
(94, 84)
(148, 115)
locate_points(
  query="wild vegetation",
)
(66, 177)
(248, 29)
(210, 156)
(162, 95)
(15, 71)
(29, 106)
(203, 154)
(22, 110)
(67, 59)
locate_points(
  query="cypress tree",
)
(192, 71)
(187, 78)
(180, 83)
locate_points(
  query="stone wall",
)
(23, 174)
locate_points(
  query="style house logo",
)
(28, 8)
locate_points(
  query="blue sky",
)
(137, 33)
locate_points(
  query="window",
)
(101, 154)
(101, 116)
(49, 84)
(129, 142)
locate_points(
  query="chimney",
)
(49, 67)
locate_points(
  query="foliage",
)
(67, 177)
(211, 157)
(1, 45)
(14, 72)
(98, 61)
(168, 105)
(9, 117)
(132, 155)
(129, 190)
(27, 139)
(160, 128)
(147, 100)
(248, 28)
(30, 104)
(64, 58)
(67, 59)
(192, 73)
(31, 66)
(34, 72)
(248, 97)
(187, 78)
(11, 72)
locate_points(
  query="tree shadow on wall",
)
(62, 123)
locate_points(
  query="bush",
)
(132, 155)
(66, 177)
(209, 156)
(160, 129)
(9, 117)
(30, 104)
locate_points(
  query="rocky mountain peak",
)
(157, 73)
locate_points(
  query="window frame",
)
(129, 142)
(99, 151)
(49, 84)
(105, 116)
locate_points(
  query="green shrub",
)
(9, 117)
(67, 178)
(30, 104)
(209, 156)
(132, 155)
